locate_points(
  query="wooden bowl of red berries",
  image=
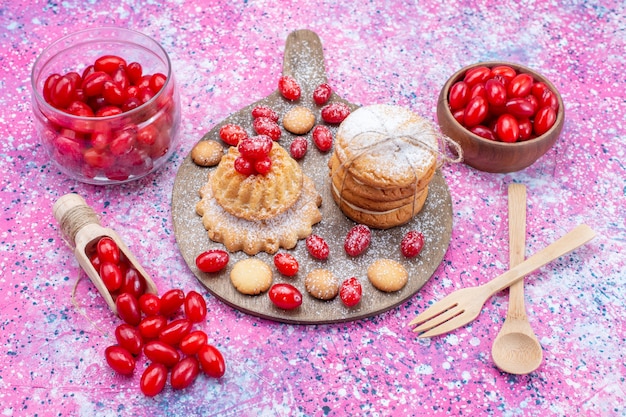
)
(503, 115)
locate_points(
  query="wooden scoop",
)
(80, 224)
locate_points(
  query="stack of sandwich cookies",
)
(384, 159)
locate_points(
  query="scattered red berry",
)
(286, 264)
(195, 307)
(298, 147)
(285, 296)
(412, 244)
(212, 260)
(322, 94)
(335, 112)
(184, 372)
(350, 292)
(264, 111)
(129, 338)
(161, 352)
(151, 326)
(153, 379)
(267, 127)
(357, 240)
(232, 134)
(289, 88)
(120, 360)
(212, 361)
(128, 308)
(150, 304)
(171, 301)
(323, 138)
(191, 344)
(174, 331)
(317, 247)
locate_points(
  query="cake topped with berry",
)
(258, 199)
(257, 179)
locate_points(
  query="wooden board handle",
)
(304, 59)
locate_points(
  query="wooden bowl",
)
(494, 156)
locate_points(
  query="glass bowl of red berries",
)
(106, 105)
(504, 116)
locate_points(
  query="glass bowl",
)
(93, 132)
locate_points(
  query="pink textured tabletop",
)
(227, 55)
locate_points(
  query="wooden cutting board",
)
(304, 60)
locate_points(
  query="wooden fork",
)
(462, 306)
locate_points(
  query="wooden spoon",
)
(516, 349)
(80, 224)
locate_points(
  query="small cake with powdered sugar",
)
(383, 161)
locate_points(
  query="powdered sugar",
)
(393, 141)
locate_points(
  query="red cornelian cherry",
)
(350, 292)
(184, 372)
(150, 304)
(289, 88)
(335, 113)
(317, 247)
(459, 95)
(244, 166)
(255, 147)
(268, 127)
(174, 331)
(323, 138)
(132, 282)
(120, 360)
(298, 147)
(191, 344)
(476, 75)
(212, 260)
(129, 338)
(109, 63)
(157, 81)
(108, 251)
(171, 301)
(412, 244)
(212, 361)
(128, 308)
(263, 166)
(134, 70)
(195, 307)
(111, 276)
(357, 240)
(161, 352)
(322, 94)
(153, 379)
(285, 296)
(264, 111)
(544, 120)
(151, 326)
(286, 264)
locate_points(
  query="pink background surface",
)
(229, 54)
